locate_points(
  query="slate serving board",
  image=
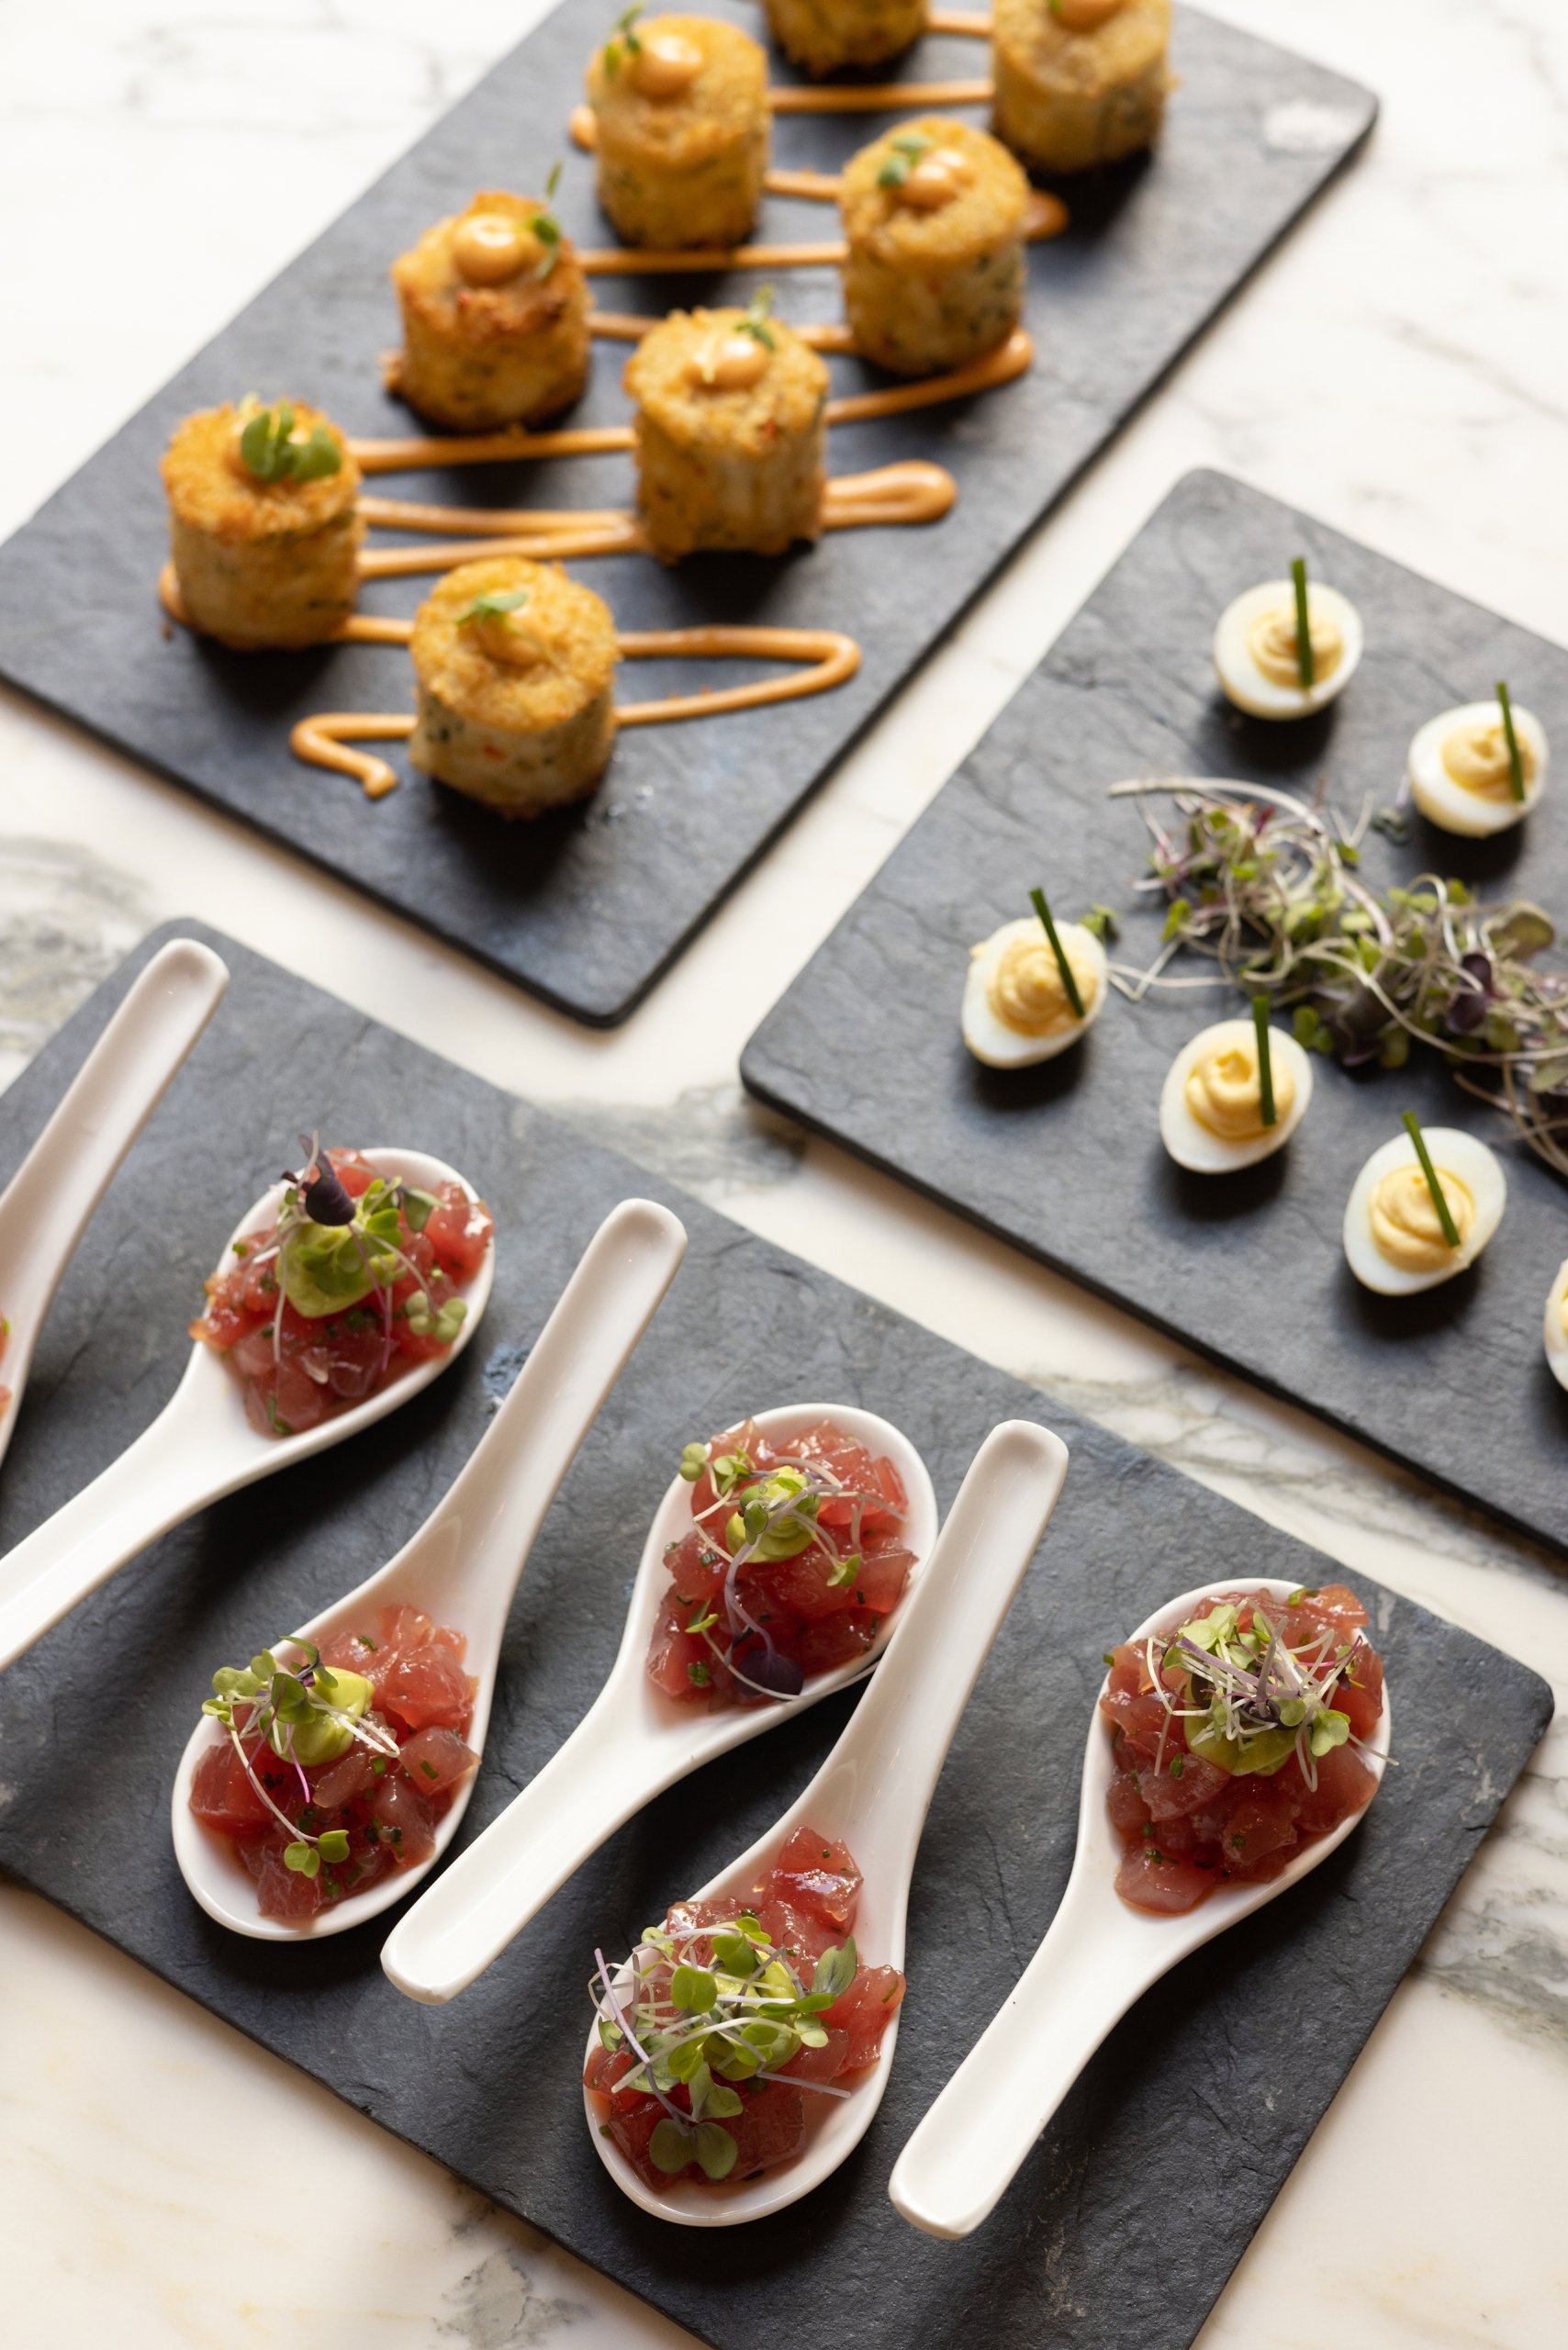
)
(1213, 2076)
(1065, 1160)
(587, 907)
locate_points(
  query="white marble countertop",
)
(1398, 367)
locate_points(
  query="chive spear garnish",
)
(1038, 899)
(1265, 1059)
(1412, 1128)
(1305, 666)
(1515, 764)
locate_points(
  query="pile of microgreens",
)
(267, 1700)
(1266, 886)
(1247, 1686)
(623, 42)
(330, 1252)
(269, 451)
(775, 1516)
(742, 2019)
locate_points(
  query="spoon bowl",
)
(632, 1744)
(876, 1787)
(464, 1565)
(47, 1201)
(1097, 1958)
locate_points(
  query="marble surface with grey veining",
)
(1399, 368)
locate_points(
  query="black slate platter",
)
(1214, 2079)
(587, 908)
(1065, 1160)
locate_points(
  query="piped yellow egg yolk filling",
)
(1406, 1225)
(936, 179)
(665, 65)
(1273, 642)
(1027, 991)
(1224, 1095)
(730, 363)
(1476, 758)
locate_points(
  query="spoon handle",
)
(1080, 1982)
(49, 1199)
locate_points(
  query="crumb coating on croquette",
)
(573, 627)
(429, 284)
(662, 378)
(723, 104)
(211, 491)
(1120, 51)
(822, 35)
(986, 213)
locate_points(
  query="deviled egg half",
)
(1016, 1008)
(1258, 649)
(1556, 1330)
(1462, 768)
(1393, 1230)
(1211, 1106)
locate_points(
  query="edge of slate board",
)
(589, 910)
(955, 1166)
(1080, 2251)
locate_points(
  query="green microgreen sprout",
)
(904, 152)
(1515, 764)
(1266, 887)
(1038, 899)
(1307, 668)
(742, 2014)
(1412, 1125)
(269, 452)
(759, 310)
(546, 227)
(623, 42)
(1253, 1697)
(289, 1708)
(1265, 1059)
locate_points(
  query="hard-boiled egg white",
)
(1455, 806)
(1277, 691)
(1196, 1145)
(1453, 1153)
(1556, 1330)
(999, 1043)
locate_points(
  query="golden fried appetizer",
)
(681, 104)
(730, 434)
(514, 674)
(494, 315)
(1080, 81)
(822, 35)
(263, 525)
(934, 273)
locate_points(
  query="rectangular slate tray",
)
(1065, 1160)
(587, 907)
(93, 1721)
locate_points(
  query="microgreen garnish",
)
(1307, 668)
(1515, 764)
(493, 604)
(1251, 1699)
(1038, 899)
(269, 451)
(742, 2015)
(1265, 1059)
(754, 323)
(1412, 1125)
(623, 42)
(906, 151)
(305, 1713)
(546, 227)
(1267, 887)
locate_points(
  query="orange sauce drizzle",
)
(415, 454)
(878, 97)
(1004, 366)
(910, 492)
(827, 659)
(638, 261)
(958, 20)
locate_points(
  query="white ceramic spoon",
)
(200, 1446)
(1097, 1958)
(464, 1565)
(630, 1744)
(876, 1787)
(47, 1201)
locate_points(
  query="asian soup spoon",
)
(46, 1205)
(631, 1745)
(464, 1563)
(875, 1788)
(200, 1446)
(1099, 1956)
